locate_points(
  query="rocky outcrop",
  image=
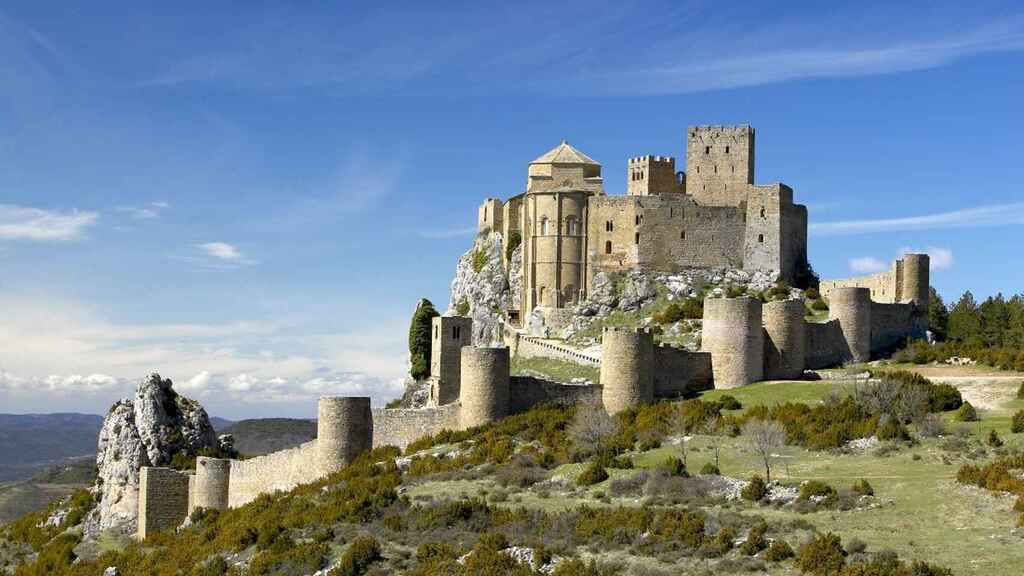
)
(147, 430)
(515, 276)
(482, 286)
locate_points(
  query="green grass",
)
(557, 370)
(771, 393)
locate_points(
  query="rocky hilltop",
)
(150, 429)
(481, 288)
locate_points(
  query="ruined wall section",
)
(892, 324)
(528, 391)
(883, 285)
(678, 372)
(532, 347)
(163, 499)
(400, 426)
(281, 470)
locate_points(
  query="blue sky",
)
(250, 197)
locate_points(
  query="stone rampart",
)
(210, 486)
(400, 426)
(851, 307)
(892, 324)
(735, 338)
(163, 499)
(679, 372)
(785, 343)
(344, 430)
(527, 392)
(824, 345)
(485, 386)
(627, 362)
(281, 470)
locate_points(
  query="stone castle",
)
(712, 216)
(570, 230)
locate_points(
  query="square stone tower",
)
(490, 216)
(448, 335)
(719, 164)
(647, 175)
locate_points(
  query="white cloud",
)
(938, 258)
(149, 211)
(867, 265)
(221, 250)
(36, 224)
(197, 383)
(218, 255)
(991, 215)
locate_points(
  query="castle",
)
(712, 216)
(563, 214)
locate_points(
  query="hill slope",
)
(31, 442)
(264, 435)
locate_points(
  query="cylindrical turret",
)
(485, 386)
(344, 430)
(852, 308)
(212, 480)
(916, 279)
(734, 337)
(627, 361)
(785, 344)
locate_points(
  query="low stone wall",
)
(825, 344)
(526, 392)
(163, 499)
(679, 372)
(400, 426)
(531, 347)
(282, 470)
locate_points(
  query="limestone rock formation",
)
(147, 430)
(515, 275)
(481, 284)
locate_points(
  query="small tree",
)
(1018, 422)
(419, 339)
(590, 429)
(967, 413)
(711, 428)
(764, 437)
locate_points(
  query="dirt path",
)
(985, 392)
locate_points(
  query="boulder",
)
(146, 430)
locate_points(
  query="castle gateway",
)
(714, 215)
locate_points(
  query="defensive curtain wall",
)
(744, 341)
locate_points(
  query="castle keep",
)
(714, 215)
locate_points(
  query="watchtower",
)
(212, 482)
(719, 163)
(490, 216)
(449, 334)
(785, 345)
(916, 281)
(735, 338)
(647, 175)
(344, 429)
(851, 306)
(627, 357)
(485, 386)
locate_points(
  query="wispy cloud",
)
(867, 265)
(221, 251)
(37, 224)
(148, 211)
(992, 215)
(445, 233)
(217, 255)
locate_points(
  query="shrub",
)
(514, 240)
(931, 426)
(812, 293)
(993, 439)
(720, 544)
(816, 488)
(1020, 391)
(755, 540)
(686, 309)
(967, 413)
(734, 291)
(479, 260)
(822, 555)
(863, 488)
(709, 469)
(675, 467)
(755, 490)
(592, 474)
(819, 305)
(360, 554)
(729, 402)
(778, 551)
(1017, 425)
(462, 308)
(576, 567)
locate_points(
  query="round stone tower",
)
(785, 345)
(627, 361)
(734, 337)
(485, 386)
(213, 476)
(852, 308)
(344, 429)
(916, 279)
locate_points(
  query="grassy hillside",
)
(36, 493)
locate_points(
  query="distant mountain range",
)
(31, 442)
(263, 435)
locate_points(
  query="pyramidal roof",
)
(564, 154)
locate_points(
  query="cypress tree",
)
(419, 339)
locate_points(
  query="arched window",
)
(572, 226)
(608, 247)
(760, 238)
(542, 294)
(544, 226)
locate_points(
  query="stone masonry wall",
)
(282, 470)
(825, 344)
(679, 372)
(400, 426)
(163, 500)
(527, 392)
(531, 347)
(891, 324)
(883, 285)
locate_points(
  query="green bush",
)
(755, 541)
(729, 402)
(778, 551)
(675, 467)
(420, 339)
(734, 291)
(462, 308)
(816, 488)
(819, 305)
(1017, 425)
(1020, 391)
(576, 567)
(993, 439)
(594, 473)
(967, 413)
(360, 554)
(755, 490)
(812, 293)
(709, 469)
(514, 240)
(479, 260)
(823, 555)
(687, 309)
(863, 488)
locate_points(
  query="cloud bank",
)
(39, 225)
